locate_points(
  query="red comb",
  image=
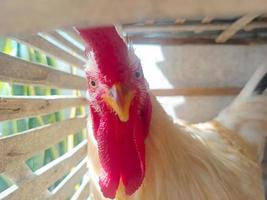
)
(109, 50)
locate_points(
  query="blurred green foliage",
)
(13, 48)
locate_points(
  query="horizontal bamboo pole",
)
(84, 190)
(66, 188)
(30, 187)
(172, 41)
(41, 44)
(21, 106)
(13, 69)
(17, 148)
(130, 29)
(50, 15)
(196, 92)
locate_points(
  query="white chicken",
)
(137, 152)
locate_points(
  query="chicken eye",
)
(93, 83)
(137, 74)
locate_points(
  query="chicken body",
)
(216, 160)
(191, 162)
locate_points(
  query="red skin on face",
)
(120, 144)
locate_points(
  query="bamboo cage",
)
(35, 23)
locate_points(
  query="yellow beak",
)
(119, 98)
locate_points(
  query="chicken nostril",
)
(113, 92)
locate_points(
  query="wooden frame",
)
(88, 12)
(33, 22)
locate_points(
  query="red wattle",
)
(133, 155)
(109, 156)
(121, 151)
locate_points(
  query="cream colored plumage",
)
(216, 160)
